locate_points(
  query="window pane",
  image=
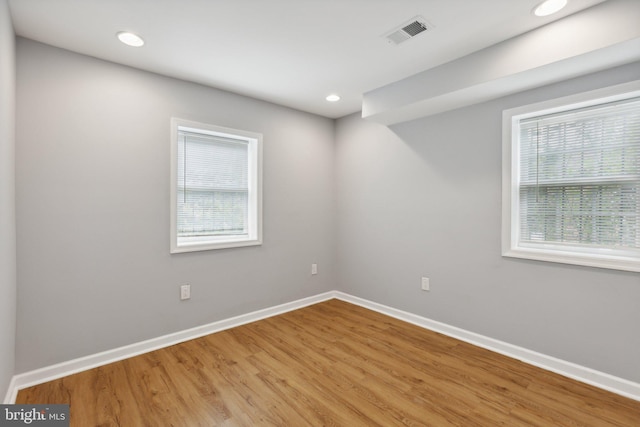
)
(207, 213)
(594, 215)
(213, 193)
(600, 142)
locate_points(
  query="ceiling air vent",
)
(408, 30)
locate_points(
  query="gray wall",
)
(421, 198)
(92, 175)
(424, 198)
(7, 200)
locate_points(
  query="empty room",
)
(306, 212)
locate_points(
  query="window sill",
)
(211, 245)
(610, 261)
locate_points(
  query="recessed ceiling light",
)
(130, 39)
(549, 7)
(333, 98)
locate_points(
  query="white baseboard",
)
(580, 373)
(583, 374)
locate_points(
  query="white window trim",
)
(254, 235)
(602, 258)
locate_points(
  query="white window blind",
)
(212, 185)
(580, 177)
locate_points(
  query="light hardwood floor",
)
(333, 364)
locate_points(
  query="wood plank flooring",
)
(330, 364)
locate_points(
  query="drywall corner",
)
(7, 198)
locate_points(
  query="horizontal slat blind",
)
(212, 194)
(579, 180)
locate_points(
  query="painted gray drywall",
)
(94, 269)
(7, 199)
(424, 199)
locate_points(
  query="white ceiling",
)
(290, 52)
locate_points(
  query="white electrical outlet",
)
(425, 283)
(314, 268)
(185, 292)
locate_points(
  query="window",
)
(571, 179)
(216, 199)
